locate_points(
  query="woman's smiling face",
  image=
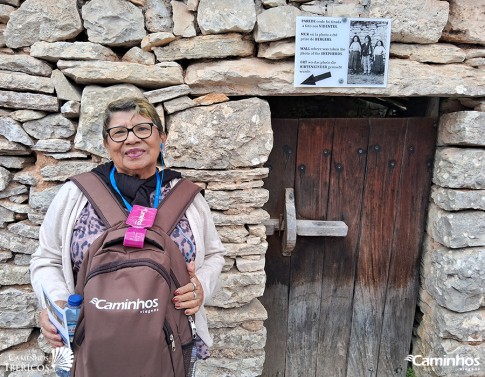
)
(134, 156)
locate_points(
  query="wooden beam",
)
(321, 228)
(289, 238)
(271, 225)
(310, 228)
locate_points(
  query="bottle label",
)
(71, 329)
(72, 315)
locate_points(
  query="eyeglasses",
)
(141, 131)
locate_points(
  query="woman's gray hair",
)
(141, 107)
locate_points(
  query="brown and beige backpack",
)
(128, 325)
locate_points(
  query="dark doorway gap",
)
(290, 107)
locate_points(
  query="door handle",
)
(292, 227)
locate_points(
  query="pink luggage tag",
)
(139, 218)
(134, 237)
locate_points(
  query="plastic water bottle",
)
(72, 313)
(72, 308)
(63, 373)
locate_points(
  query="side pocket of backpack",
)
(175, 347)
(79, 335)
(78, 341)
(79, 332)
(188, 347)
(187, 350)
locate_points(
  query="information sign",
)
(341, 52)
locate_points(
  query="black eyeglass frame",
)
(131, 130)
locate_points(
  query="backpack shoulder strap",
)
(175, 204)
(100, 197)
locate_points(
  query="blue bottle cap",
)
(75, 300)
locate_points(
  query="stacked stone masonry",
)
(62, 61)
(453, 277)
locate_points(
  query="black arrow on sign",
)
(312, 80)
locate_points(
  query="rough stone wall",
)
(453, 278)
(61, 61)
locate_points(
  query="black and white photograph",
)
(368, 52)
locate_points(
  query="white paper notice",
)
(57, 316)
(339, 52)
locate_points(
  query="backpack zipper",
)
(113, 266)
(174, 278)
(169, 335)
(192, 326)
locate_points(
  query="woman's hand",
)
(191, 296)
(48, 329)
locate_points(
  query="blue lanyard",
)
(128, 205)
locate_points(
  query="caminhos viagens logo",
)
(144, 306)
(459, 363)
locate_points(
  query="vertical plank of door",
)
(402, 291)
(349, 154)
(384, 159)
(311, 188)
(281, 162)
(313, 168)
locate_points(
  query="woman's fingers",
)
(191, 269)
(190, 296)
(198, 289)
(188, 301)
(186, 297)
(196, 286)
(49, 331)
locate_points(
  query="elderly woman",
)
(132, 135)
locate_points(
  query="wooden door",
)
(345, 306)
